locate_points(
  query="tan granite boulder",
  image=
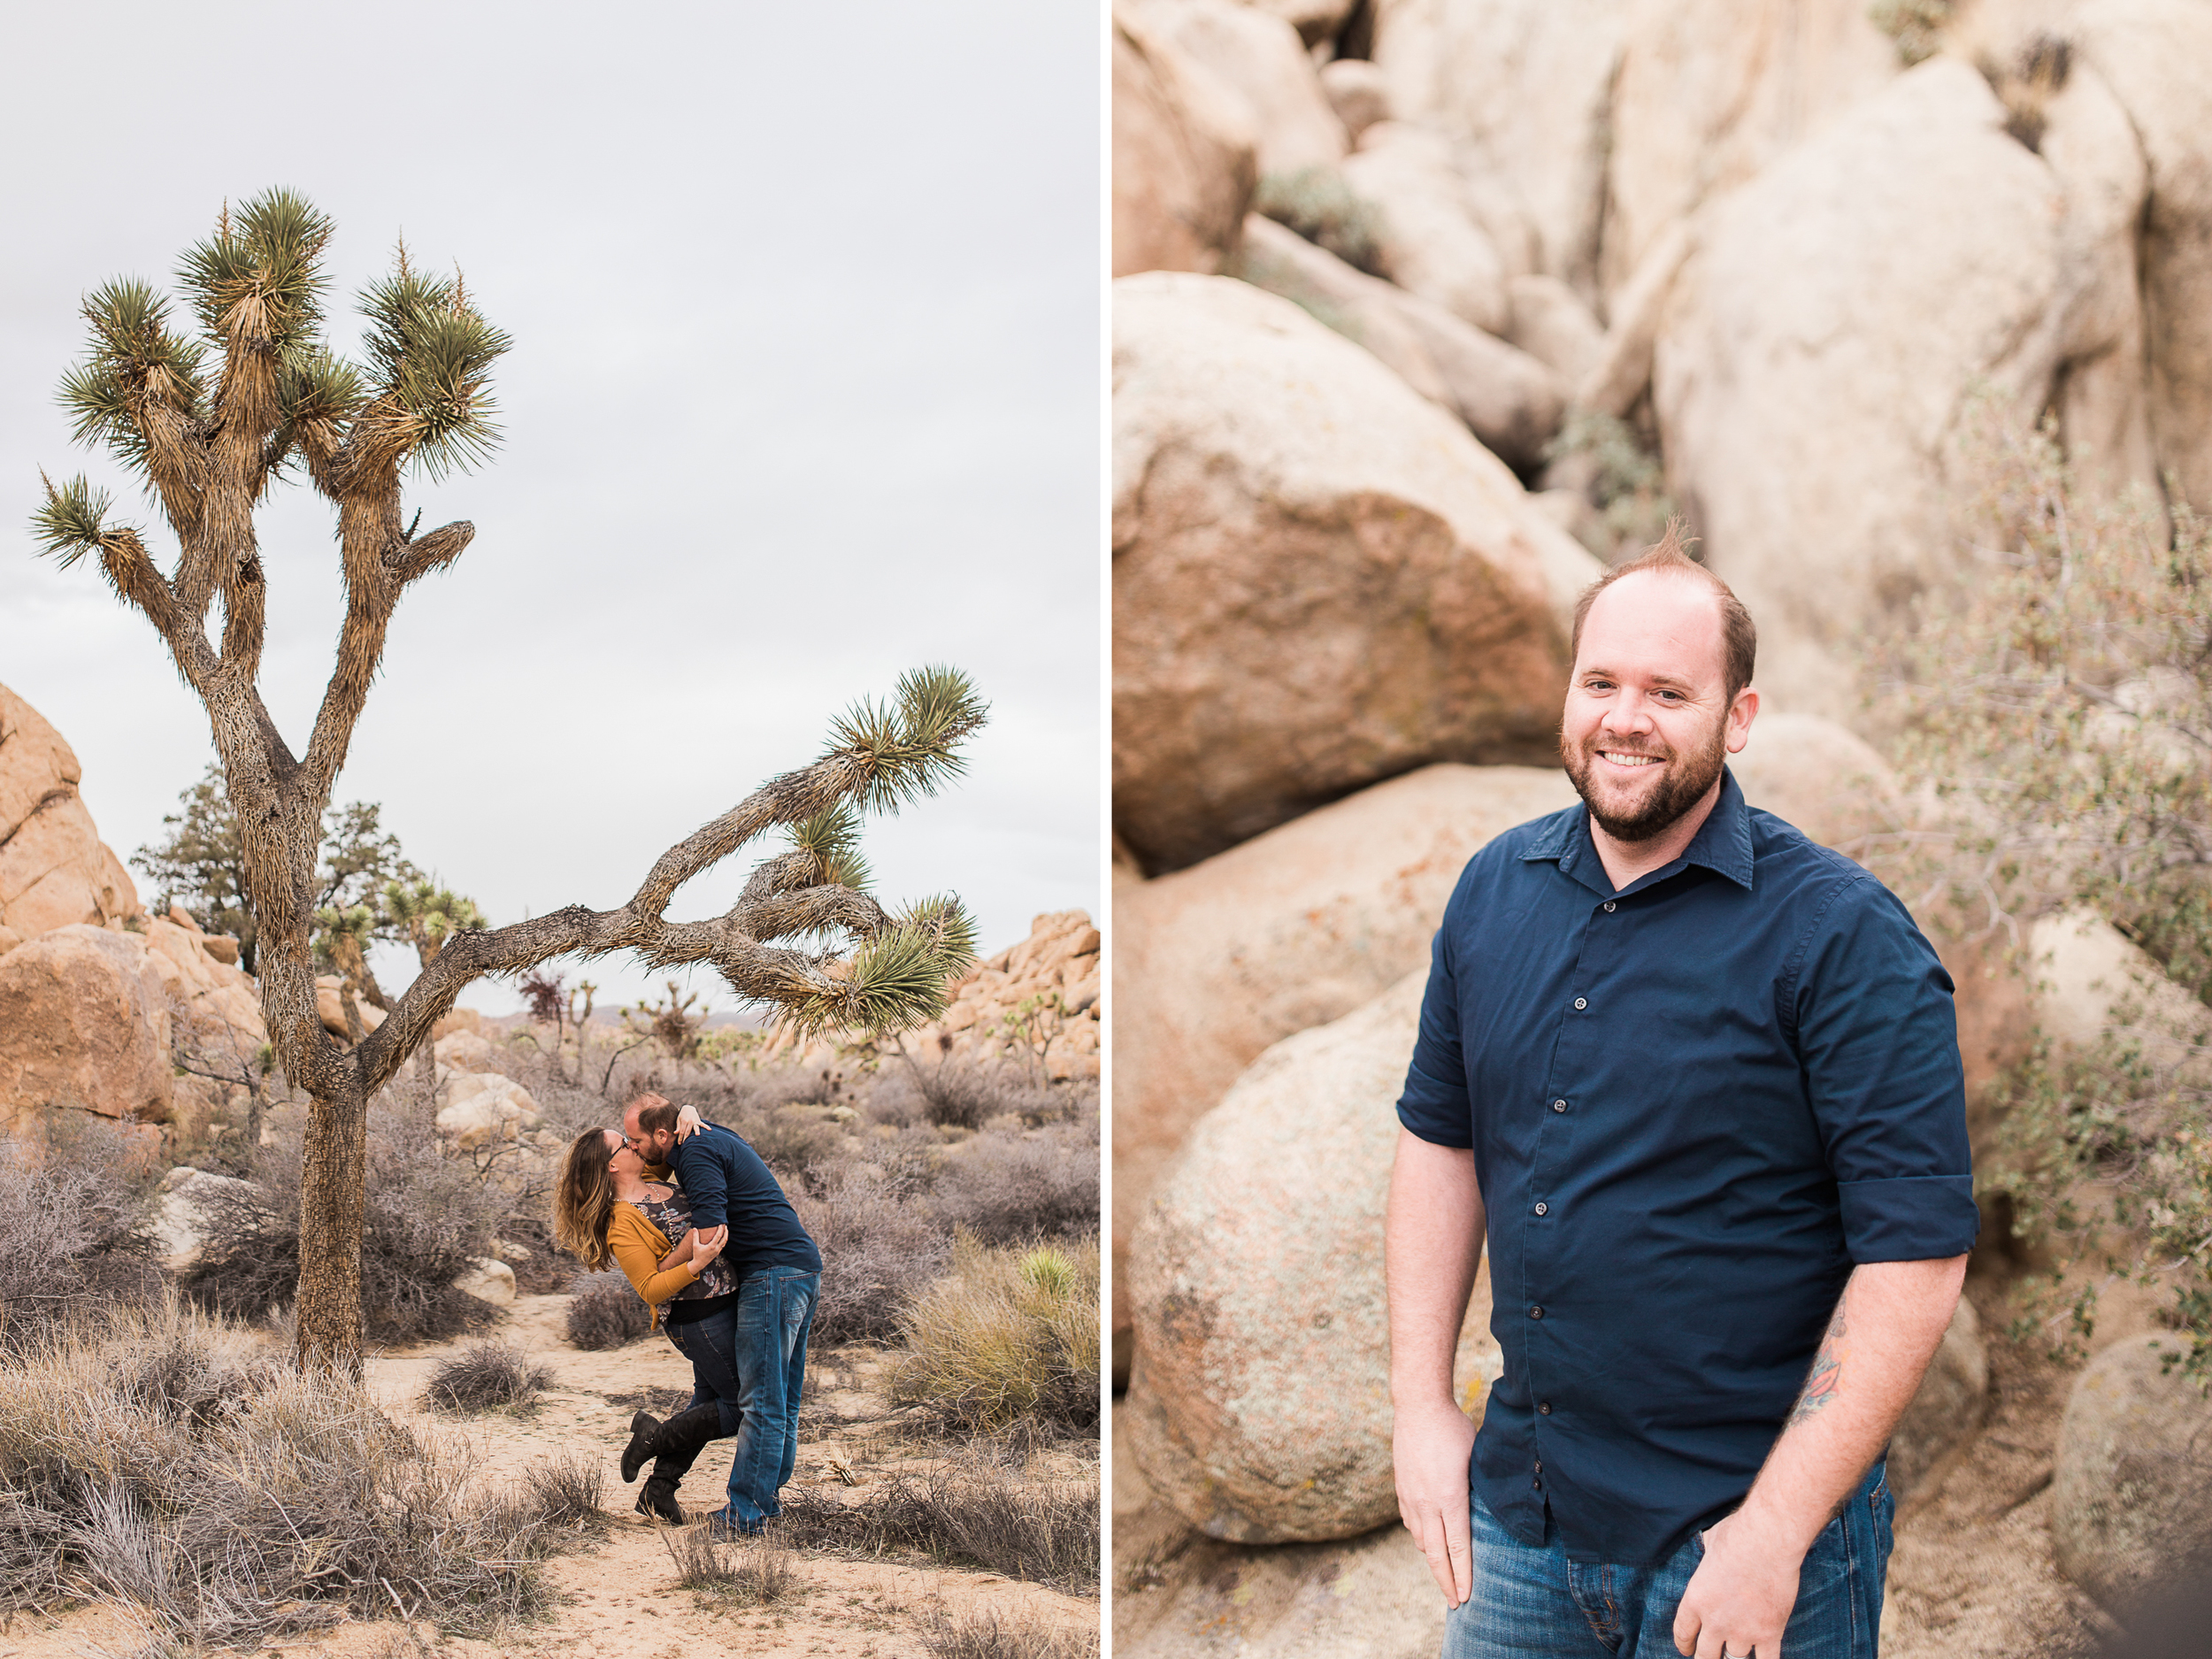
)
(1259, 58)
(1320, 579)
(1259, 1403)
(1293, 929)
(54, 870)
(86, 1027)
(1183, 165)
(2131, 1480)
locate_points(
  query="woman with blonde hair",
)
(608, 1213)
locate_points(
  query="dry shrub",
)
(747, 1571)
(566, 1491)
(1010, 1335)
(487, 1376)
(170, 1463)
(1001, 1187)
(1022, 1633)
(972, 1510)
(881, 1245)
(606, 1312)
(427, 1216)
(74, 1242)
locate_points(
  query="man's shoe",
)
(724, 1528)
(657, 1501)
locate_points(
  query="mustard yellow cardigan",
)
(637, 1247)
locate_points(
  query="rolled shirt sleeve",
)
(1877, 1032)
(1434, 1103)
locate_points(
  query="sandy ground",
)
(617, 1594)
(1971, 1575)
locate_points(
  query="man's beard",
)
(1683, 777)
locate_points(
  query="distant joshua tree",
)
(209, 418)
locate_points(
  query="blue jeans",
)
(751, 1360)
(1535, 1602)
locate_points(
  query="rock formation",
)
(54, 870)
(1320, 580)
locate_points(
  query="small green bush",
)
(1317, 204)
(1010, 1335)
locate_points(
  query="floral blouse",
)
(672, 1216)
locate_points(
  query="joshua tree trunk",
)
(209, 445)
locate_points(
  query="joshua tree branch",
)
(810, 910)
(426, 553)
(785, 800)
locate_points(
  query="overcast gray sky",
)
(804, 392)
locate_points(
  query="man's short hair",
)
(1671, 556)
(652, 1119)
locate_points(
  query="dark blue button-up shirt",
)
(1695, 1103)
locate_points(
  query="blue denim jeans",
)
(1535, 1602)
(751, 1360)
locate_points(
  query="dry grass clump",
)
(75, 1209)
(487, 1376)
(427, 1216)
(606, 1312)
(974, 1509)
(987, 1634)
(168, 1463)
(1010, 1335)
(746, 1571)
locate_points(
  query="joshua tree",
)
(209, 418)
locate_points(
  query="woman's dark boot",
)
(656, 1501)
(687, 1432)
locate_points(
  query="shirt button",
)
(1582, 1001)
(1609, 907)
(1535, 1313)
(1544, 1406)
(1559, 1105)
(1541, 1209)
(1537, 1484)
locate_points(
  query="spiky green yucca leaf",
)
(260, 275)
(947, 920)
(432, 352)
(911, 747)
(71, 522)
(834, 837)
(135, 361)
(894, 982)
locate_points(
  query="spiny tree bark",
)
(210, 419)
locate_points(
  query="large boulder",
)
(1259, 1404)
(2131, 1479)
(1709, 91)
(86, 1028)
(483, 1108)
(1523, 90)
(1948, 1407)
(1824, 340)
(1259, 58)
(54, 870)
(190, 1199)
(1183, 154)
(2152, 54)
(1512, 401)
(1820, 777)
(1427, 239)
(1316, 20)
(1295, 928)
(1320, 580)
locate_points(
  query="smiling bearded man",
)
(1694, 1083)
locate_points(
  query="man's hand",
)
(688, 1119)
(1739, 1598)
(1429, 1451)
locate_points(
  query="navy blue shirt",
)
(726, 1181)
(1695, 1104)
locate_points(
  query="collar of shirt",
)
(1722, 844)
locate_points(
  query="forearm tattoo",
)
(1824, 1381)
